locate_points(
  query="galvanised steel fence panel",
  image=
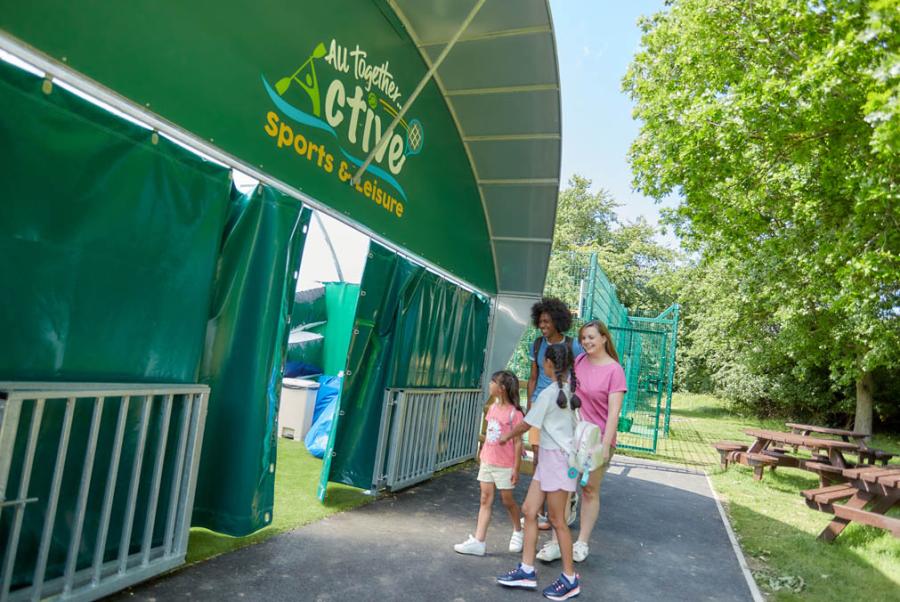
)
(86, 567)
(423, 431)
(460, 423)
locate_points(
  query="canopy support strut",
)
(412, 97)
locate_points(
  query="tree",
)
(638, 266)
(586, 223)
(583, 218)
(777, 121)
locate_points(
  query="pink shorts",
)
(553, 470)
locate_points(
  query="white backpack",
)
(586, 444)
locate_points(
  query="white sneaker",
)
(549, 552)
(542, 520)
(516, 541)
(580, 551)
(470, 546)
(572, 516)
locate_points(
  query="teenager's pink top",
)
(595, 383)
(501, 419)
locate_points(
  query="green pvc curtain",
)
(246, 344)
(412, 329)
(108, 243)
(341, 299)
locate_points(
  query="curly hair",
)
(558, 311)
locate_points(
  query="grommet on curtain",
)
(348, 372)
(47, 86)
(362, 293)
(356, 331)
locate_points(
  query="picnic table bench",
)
(873, 486)
(867, 455)
(765, 451)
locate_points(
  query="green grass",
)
(773, 524)
(296, 479)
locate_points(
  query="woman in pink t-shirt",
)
(601, 388)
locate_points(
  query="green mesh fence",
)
(645, 343)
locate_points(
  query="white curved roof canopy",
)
(501, 84)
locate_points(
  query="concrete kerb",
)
(742, 560)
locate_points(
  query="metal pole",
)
(86, 471)
(334, 257)
(670, 376)
(589, 299)
(108, 495)
(12, 542)
(412, 97)
(52, 501)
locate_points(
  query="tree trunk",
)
(864, 387)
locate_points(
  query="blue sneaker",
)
(518, 578)
(561, 589)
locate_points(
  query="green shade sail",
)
(298, 94)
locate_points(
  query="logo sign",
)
(335, 125)
(301, 91)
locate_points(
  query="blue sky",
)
(595, 42)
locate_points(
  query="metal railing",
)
(106, 478)
(425, 430)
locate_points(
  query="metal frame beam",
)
(382, 143)
(506, 33)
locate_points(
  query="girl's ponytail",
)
(561, 358)
(560, 397)
(573, 384)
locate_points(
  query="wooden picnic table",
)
(874, 486)
(763, 452)
(805, 429)
(866, 454)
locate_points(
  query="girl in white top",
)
(553, 413)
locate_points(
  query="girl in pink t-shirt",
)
(499, 463)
